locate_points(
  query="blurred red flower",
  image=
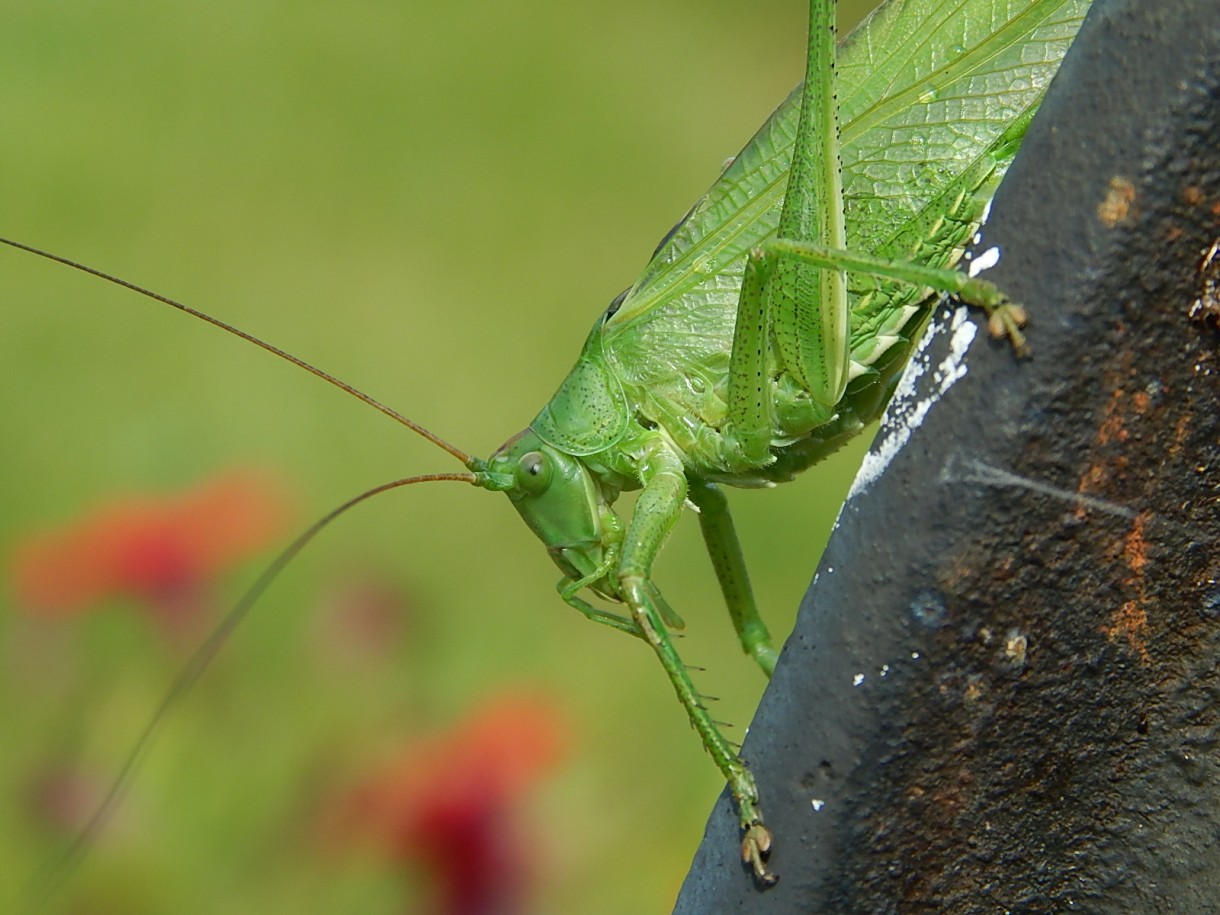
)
(363, 618)
(447, 806)
(164, 550)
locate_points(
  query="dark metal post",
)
(1003, 691)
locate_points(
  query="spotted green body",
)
(771, 324)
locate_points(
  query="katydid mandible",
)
(771, 324)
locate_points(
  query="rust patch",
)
(1130, 621)
(1135, 548)
(1117, 205)
(1093, 480)
(1111, 428)
(1180, 430)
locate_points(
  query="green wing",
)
(934, 96)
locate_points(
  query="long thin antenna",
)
(52, 878)
(249, 338)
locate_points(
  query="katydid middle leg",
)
(724, 549)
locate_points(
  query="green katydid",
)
(741, 359)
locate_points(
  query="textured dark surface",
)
(1001, 693)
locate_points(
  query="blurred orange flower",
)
(447, 806)
(162, 550)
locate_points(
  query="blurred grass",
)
(433, 202)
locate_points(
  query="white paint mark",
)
(885, 669)
(905, 413)
(986, 211)
(857, 679)
(817, 803)
(984, 261)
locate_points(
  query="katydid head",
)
(560, 500)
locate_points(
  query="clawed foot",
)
(1006, 320)
(755, 846)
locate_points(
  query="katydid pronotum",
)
(680, 389)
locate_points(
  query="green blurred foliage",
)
(433, 202)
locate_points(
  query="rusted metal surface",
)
(1003, 692)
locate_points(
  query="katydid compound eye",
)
(534, 472)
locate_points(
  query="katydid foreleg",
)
(657, 511)
(809, 309)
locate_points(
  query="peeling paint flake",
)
(984, 261)
(906, 413)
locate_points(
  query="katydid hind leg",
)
(809, 305)
(797, 308)
(1005, 318)
(724, 549)
(750, 422)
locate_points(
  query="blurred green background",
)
(433, 202)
